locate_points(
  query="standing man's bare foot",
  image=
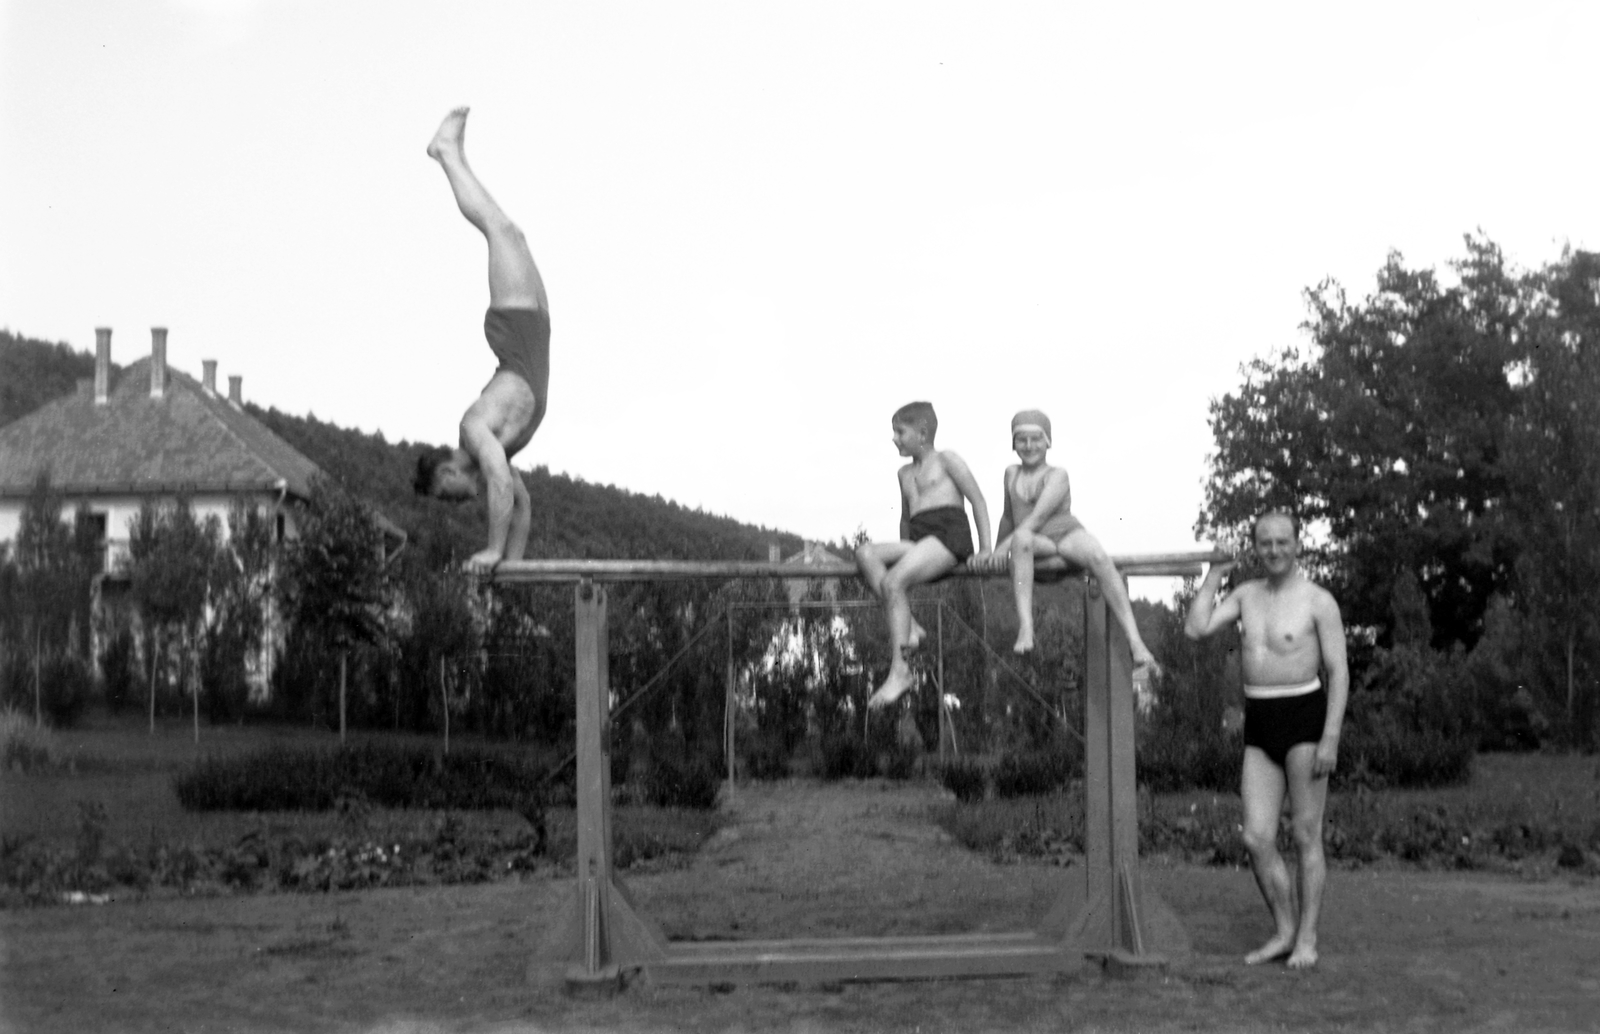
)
(1276, 948)
(450, 136)
(1024, 642)
(893, 687)
(1304, 956)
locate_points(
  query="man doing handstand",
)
(512, 404)
(1291, 636)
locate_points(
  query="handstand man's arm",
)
(521, 519)
(477, 439)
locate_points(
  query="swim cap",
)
(1031, 420)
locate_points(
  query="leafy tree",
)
(173, 560)
(1554, 473)
(240, 587)
(334, 578)
(1387, 439)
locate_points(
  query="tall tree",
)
(172, 562)
(334, 575)
(1386, 437)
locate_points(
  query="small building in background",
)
(154, 435)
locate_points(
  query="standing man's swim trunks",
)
(949, 525)
(1277, 718)
(520, 339)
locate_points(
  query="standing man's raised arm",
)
(1206, 616)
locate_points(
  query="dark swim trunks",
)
(949, 525)
(520, 339)
(1276, 724)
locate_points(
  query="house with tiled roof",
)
(155, 434)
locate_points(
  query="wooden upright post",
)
(605, 934)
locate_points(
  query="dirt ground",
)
(1402, 950)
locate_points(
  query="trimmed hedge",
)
(284, 779)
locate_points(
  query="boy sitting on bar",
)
(1038, 532)
(935, 538)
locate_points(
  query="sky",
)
(765, 226)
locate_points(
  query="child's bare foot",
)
(914, 640)
(450, 136)
(1304, 956)
(1024, 642)
(893, 687)
(1276, 948)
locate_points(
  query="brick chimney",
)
(235, 390)
(102, 365)
(158, 362)
(208, 375)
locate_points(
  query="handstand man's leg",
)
(1083, 549)
(1262, 788)
(1308, 797)
(514, 281)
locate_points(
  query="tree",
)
(240, 588)
(1554, 471)
(334, 575)
(173, 560)
(50, 594)
(1386, 438)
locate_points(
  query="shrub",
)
(26, 747)
(280, 779)
(764, 756)
(1173, 759)
(120, 669)
(842, 756)
(1375, 756)
(677, 778)
(1037, 772)
(966, 779)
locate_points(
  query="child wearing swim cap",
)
(1039, 533)
(934, 536)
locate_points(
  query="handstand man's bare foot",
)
(1276, 948)
(450, 135)
(1304, 956)
(893, 687)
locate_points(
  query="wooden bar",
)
(526, 571)
(862, 958)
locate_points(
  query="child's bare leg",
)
(923, 562)
(514, 281)
(1084, 549)
(873, 560)
(1022, 547)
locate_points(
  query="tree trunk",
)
(155, 642)
(343, 655)
(194, 694)
(38, 694)
(444, 705)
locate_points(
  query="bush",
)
(967, 779)
(1172, 759)
(117, 662)
(677, 779)
(24, 746)
(1037, 772)
(764, 756)
(280, 779)
(842, 756)
(1374, 756)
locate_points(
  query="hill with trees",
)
(571, 517)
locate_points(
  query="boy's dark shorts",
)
(1275, 725)
(949, 525)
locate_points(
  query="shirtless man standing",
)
(1292, 637)
(512, 404)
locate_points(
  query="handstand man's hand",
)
(482, 562)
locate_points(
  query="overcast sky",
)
(764, 226)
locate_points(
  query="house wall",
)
(121, 510)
